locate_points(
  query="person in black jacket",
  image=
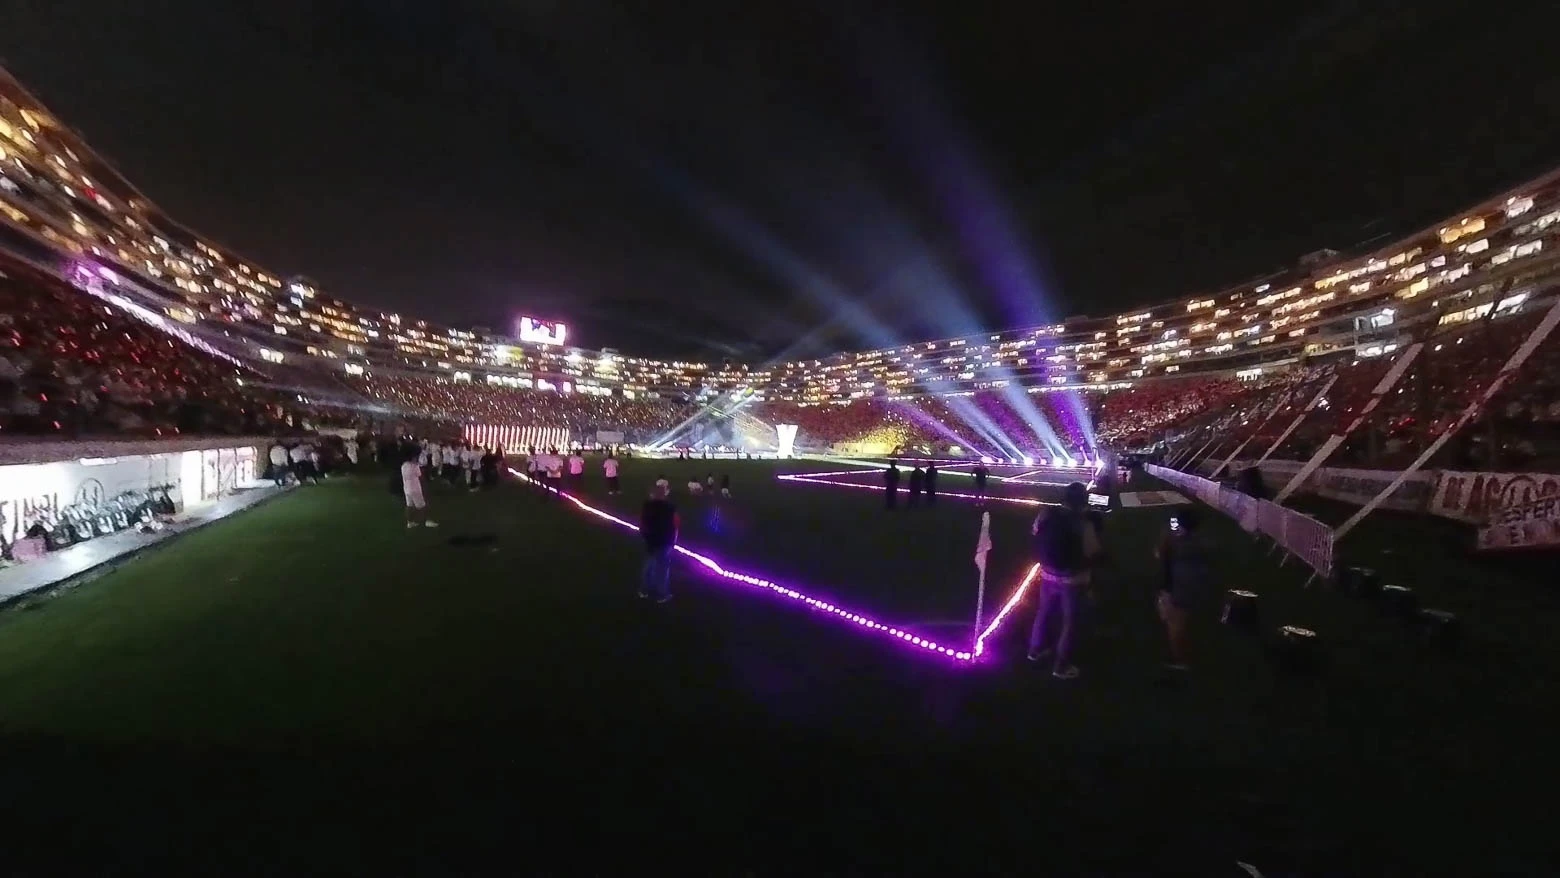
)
(931, 484)
(1066, 545)
(917, 482)
(891, 483)
(658, 527)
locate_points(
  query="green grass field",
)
(310, 687)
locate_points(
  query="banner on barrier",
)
(1535, 338)
(1462, 496)
(1534, 524)
(1358, 486)
(1477, 497)
(609, 437)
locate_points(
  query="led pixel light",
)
(861, 620)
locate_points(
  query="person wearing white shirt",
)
(610, 468)
(555, 472)
(533, 467)
(279, 467)
(695, 486)
(576, 469)
(416, 503)
(472, 458)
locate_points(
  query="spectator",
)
(1184, 556)
(1065, 545)
(658, 526)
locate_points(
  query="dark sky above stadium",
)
(681, 177)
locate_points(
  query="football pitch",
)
(311, 687)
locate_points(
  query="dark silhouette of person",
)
(891, 483)
(931, 484)
(917, 482)
(980, 481)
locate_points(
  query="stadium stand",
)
(72, 366)
(1231, 366)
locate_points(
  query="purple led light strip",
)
(814, 479)
(862, 621)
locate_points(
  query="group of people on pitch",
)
(1068, 543)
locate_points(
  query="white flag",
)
(983, 545)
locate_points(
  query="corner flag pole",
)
(982, 549)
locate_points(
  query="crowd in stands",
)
(931, 423)
(1520, 426)
(71, 365)
(1132, 416)
(582, 414)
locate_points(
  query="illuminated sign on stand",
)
(787, 434)
(542, 331)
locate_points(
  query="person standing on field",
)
(609, 468)
(1184, 555)
(1065, 544)
(412, 488)
(658, 525)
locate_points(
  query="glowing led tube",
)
(862, 621)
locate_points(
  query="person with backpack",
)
(1185, 556)
(1066, 543)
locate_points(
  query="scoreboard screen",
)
(541, 331)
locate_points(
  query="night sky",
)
(748, 179)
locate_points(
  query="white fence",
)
(1299, 535)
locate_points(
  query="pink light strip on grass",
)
(813, 478)
(864, 622)
(1002, 614)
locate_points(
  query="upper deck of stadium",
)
(63, 206)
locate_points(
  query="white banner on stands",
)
(1534, 524)
(1476, 498)
(1358, 486)
(1518, 357)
